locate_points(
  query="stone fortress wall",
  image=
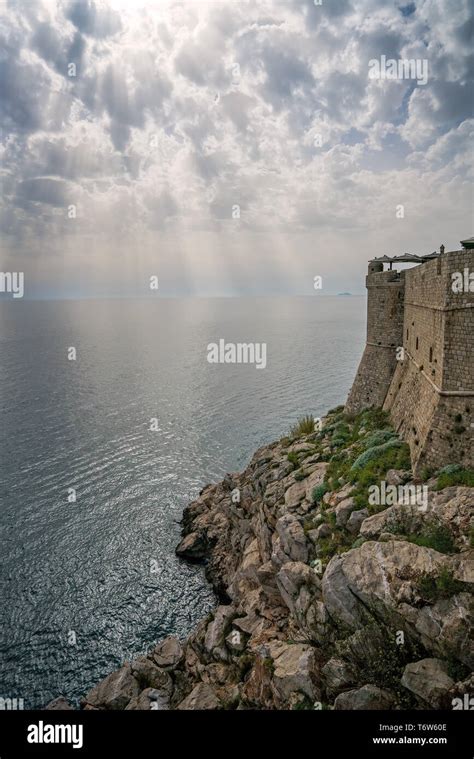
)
(428, 388)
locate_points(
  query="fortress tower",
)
(418, 363)
(385, 299)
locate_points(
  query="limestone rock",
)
(428, 679)
(337, 676)
(355, 520)
(148, 675)
(368, 697)
(395, 477)
(295, 669)
(315, 478)
(371, 527)
(168, 653)
(377, 576)
(60, 704)
(148, 699)
(193, 547)
(323, 531)
(294, 580)
(332, 499)
(216, 631)
(292, 537)
(203, 696)
(115, 692)
(444, 627)
(343, 511)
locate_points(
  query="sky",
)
(229, 148)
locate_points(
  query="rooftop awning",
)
(404, 259)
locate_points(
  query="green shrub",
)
(293, 458)
(318, 492)
(457, 477)
(375, 452)
(449, 469)
(457, 670)
(437, 536)
(444, 586)
(300, 476)
(336, 410)
(373, 419)
(304, 426)
(378, 438)
(331, 517)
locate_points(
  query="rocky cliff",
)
(326, 598)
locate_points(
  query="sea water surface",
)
(89, 583)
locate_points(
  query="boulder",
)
(323, 531)
(148, 675)
(378, 577)
(382, 580)
(371, 527)
(428, 679)
(368, 697)
(295, 494)
(169, 653)
(292, 538)
(337, 676)
(203, 696)
(295, 669)
(60, 704)
(395, 477)
(445, 627)
(148, 699)
(315, 478)
(193, 547)
(332, 499)
(294, 578)
(343, 511)
(216, 631)
(115, 691)
(355, 520)
(454, 513)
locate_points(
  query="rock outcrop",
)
(323, 600)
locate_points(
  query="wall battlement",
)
(418, 362)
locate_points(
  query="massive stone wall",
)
(384, 334)
(430, 392)
(431, 396)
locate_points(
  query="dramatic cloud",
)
(229, 146)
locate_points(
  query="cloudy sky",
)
(228, 147)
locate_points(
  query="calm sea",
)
(91, 582)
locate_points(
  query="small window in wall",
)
(417, 343)
(431, 354)
(407, 334)
(438, 266)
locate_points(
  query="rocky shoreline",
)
(326, 601)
